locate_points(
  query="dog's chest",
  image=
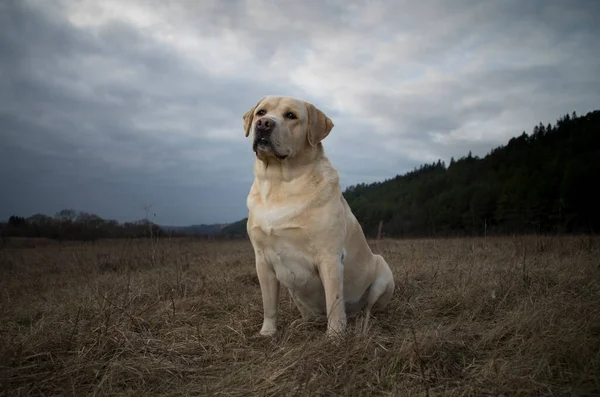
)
(269, 219)
(273, 219)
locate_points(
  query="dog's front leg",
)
(332, 276)
(269, 287)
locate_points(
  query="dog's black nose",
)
(265, 124)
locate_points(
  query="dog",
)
(304, 235)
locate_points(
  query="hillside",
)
(542, 183)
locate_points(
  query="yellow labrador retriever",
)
(302, 230)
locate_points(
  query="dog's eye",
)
(260, 112)
(290, 115)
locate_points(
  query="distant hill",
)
(237, 229)
(539, 183)
(196, 230)
(69, 224)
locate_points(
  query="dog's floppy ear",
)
(319, 125)
(249, 116)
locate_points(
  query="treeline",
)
(72, 225)
(539, 183)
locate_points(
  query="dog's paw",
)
(335, 327)
(335, 337)
(336, 332)
(268, 332)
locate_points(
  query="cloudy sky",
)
(107, 106)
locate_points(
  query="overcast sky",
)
(106, 106)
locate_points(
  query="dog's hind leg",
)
(381, 290)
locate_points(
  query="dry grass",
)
(501, 316)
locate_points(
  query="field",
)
(476, 317)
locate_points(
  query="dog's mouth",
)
(264, 145)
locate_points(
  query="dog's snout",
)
(265, 124)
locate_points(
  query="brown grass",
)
(496, 316)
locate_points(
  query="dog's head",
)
(282, 127)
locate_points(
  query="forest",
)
(542, 183)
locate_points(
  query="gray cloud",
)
(108, 106)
